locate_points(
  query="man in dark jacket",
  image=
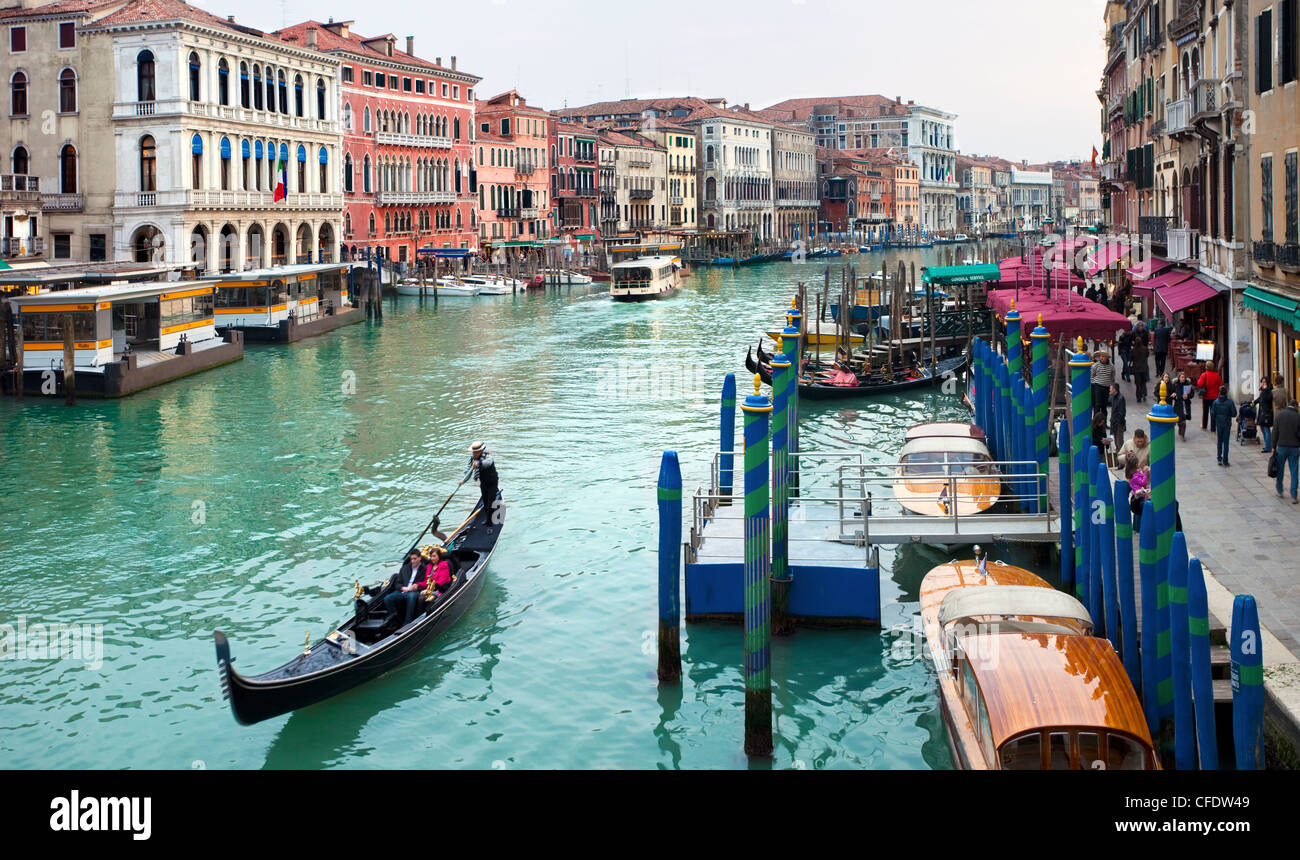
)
(1139, 368)
(1160, 345)
(1118, 424)
(1125, 344)
(1286, 436)
(484, 470)
(1222, 411)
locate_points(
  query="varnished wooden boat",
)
(1022, 683)
(824, 339)
(906, 377)
(945, 463)
(369, 643)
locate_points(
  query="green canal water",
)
(249, 498)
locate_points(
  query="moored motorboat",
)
(455, 287)
(369, 643)
(1022, 684)
(945, 468)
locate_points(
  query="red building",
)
(408, 168)
(513, 147)
(575, 185)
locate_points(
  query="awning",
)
(1190, 292)
(445, 252)
(1145, 269)
(1106, 254)
(1272, 305)
(1168, 279)
(950, 275)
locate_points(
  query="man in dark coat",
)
(484, 470)
(1286, 437)
(1160, 345)
(1118, 418)
(1222, 411)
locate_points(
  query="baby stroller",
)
(1246, 423)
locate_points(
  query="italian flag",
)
(282, 185)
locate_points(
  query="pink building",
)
(513, 160)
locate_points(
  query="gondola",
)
(905, 378)
(369, 643)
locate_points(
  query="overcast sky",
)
(1021, 74)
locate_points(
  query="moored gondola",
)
(369, 643)
(905, 378)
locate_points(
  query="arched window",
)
(257, 87)
(365, 178)
(196, 161)
(347, 116)
(68, 169)
(223, 82)
(18, 94)
(347, 223)
(145, 90)
(366, 120)
(372, 223)
(455, 128)
(302, 168)
(20, 159)
(148, 164)
(243, 85)
(67, 91)
(347, 173)
(297, 95)
(225, 164)
(284, 91)
(320, 98)
(324, 168)
(195, 68)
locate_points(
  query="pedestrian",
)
(1287, 434)
(1223, 410)
(1103, 377)
(1209, 383)
(1279, 395)
(1160, 344)
(1183, 392)
(1118, 417)
(1140, 368)
(1125, 343)
(1263, 404)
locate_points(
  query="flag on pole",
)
(282, 185)
(1094, 156)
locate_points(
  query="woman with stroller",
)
(1263, 404)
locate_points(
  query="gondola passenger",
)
(843, 377)
(409, 582)
(441, 560)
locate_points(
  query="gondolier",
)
(484, 470)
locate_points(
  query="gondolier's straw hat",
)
(477, 448)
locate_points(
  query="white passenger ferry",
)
(644, 279)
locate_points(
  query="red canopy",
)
(1107, 253)
(1168, 279)
(1147, 268)
(1065, 314)
(1191, 291)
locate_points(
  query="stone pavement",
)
(1247, 538)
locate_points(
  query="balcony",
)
(1288, 257)
(525, 168)
(20, 188)
(528, 213)
(1155, 226)
(216, 199)
(1178, 117)
(1263, 253)
(1205, 99)
(62, 202)
(641, 193)
(587, 192)
(423, 141)
(408, 198)
(676, 201)
(642, 224)
(14, 246)
(1183, 246)
(1112, 171)
(643, 163)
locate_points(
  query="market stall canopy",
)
(1064, 314)
(1181, 296)
(944, 276)
(1106, 254)
(1167, 279)
(1145, 269)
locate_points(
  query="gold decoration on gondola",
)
(359, 590)
(306, 643)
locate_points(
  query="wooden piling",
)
(69, 362)
(1125, 584)
(1198, 623)
(757, 573)
(1180, 656)
(670, 547)
(727, 439)
(1247, 684)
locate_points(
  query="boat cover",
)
(1006, 600)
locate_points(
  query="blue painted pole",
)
(1080, 440)
(782, 381)
(1198, 622)
(1039, 393)
(1109, 597)
(1163, 496)
(1125, 583)
(727, 439)
(1184, 719)
(1093, 531)
(670, 550)
(1147, 572)
(1247, 684)
(792, 342)
(977, 381)
(1004, 409)
(1065, 504)
(757, 410)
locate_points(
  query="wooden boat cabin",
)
(286, 303)
(644, 279)
(935, 471)
(1022, 683)
(125, 336)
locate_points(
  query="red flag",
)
(1094, 156)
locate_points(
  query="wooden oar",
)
(435, 516)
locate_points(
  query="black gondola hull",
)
(813, 391)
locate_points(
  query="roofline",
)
(211, 29)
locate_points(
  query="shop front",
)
(1277, 332)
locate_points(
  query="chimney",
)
(230, 18)
(453, 62)
(410, 45)
(437, 61)
(311, 38)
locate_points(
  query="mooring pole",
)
(670, 548)
(1042, 446)
(1065, 505)
(1124, 582)
(1081, 439)
(782, 381)
(1198, 625)
(793, 339)
(1163, 420)
(1184, 720)
(1093, 598)
(757, 410)
(1147, 573)
(1247, 684)
(69, 362)
(977, 381)
(1109, 597)
(727, 439)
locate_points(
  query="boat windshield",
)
(1074, 750)
(633, 277)
(957, 463)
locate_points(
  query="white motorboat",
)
(411, 287)
(452, 287)
(566, 276)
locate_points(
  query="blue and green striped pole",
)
(1015, 346)
(1247, 684)
(1110, 600)
(1198, 626)
(670, 558)
(1015, 362)
(1080, 439)
(1029, 473)
(792, 345)
(782, 382)
(977, 380)
(1042, 446)
(1065, 505)
(1163, 420)
(727, 439)
(1124, 582)
(1184, 719)
(1093, 599)
(757, 410)
(1006, 412)
(1150, 627)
